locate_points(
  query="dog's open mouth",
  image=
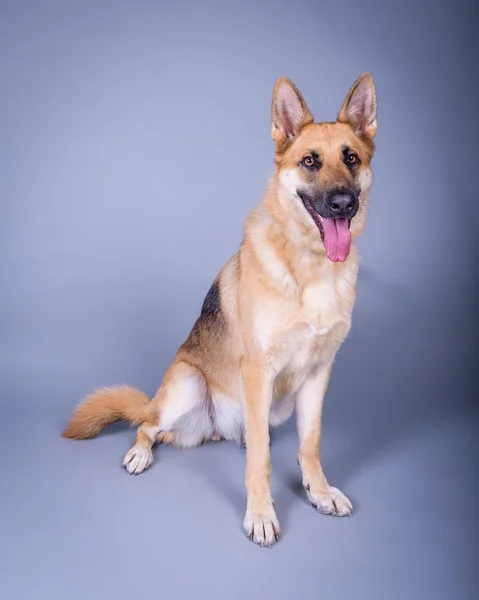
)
(335, 233)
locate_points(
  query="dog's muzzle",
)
(332, 212)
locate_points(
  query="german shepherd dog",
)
(273, 319)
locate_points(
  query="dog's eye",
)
(308, 161)
(352, 158)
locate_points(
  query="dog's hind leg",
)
(140, 456)
(183, 417)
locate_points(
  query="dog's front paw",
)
(137, 459)
(262, 527)
(330, 502)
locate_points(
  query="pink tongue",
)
(337, 239)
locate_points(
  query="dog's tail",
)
(105, 406)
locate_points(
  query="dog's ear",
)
(360, 107)
(289, 113)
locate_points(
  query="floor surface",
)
(75, 525)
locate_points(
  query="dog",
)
(274, 318)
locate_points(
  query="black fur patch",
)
(211, 305)
(211, 320)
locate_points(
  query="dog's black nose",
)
(342, 205)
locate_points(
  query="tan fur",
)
(105, 406)
(271, 325)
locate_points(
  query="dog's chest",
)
(295, 327)
(322, 304)
(327, 300)
(314, 324)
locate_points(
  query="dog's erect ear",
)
(289, 112)
(359, 108)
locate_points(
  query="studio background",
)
(135, 139)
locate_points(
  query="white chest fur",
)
(328, 300)
(295, 331)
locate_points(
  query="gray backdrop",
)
(135, 138)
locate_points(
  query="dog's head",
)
(323, 169)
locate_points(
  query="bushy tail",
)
(105, 406)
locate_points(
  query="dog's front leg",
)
(261, 523)
(328, 500)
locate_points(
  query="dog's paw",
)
(262, 527)
(137, 460)
(332, 502)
